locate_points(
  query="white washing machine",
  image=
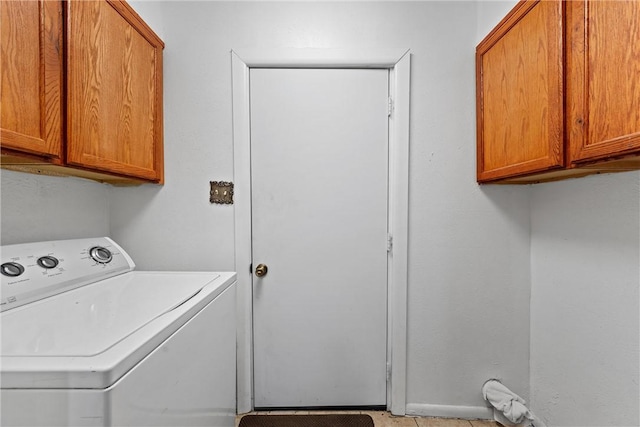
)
(88, 341)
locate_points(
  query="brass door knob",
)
(261, 270)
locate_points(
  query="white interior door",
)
(319, 172)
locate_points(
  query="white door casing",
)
(398, 63)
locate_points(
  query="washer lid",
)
(90, 336)
(88, 321)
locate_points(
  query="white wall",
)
(37, 208)
(469, 246)
(585, 335)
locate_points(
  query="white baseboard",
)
(449, 411)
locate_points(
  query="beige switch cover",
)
(221, 192)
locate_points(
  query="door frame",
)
(398, 62)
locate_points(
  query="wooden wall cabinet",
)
(100, 118)
(558, 91)
(31, 77)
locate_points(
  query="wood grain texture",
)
(130, 15)
(603, 79)
(31, 70)
(20, 164)
(519, 76)
(114, 93)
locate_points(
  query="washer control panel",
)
(33, 271)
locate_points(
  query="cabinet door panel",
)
(519, 92)
(603, 83)
(31, 70)
(114, 83)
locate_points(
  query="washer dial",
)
(101, 254)
(11, 269)
(48, 261)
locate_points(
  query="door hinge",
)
(390, 110)
(388, 371)
(251, 268)
(389, 242)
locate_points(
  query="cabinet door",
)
(114, 90)
(603, 80)
(519, 93)
(31, 74)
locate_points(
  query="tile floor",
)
(385, 419)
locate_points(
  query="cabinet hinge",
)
(390, 110)
(389, 242)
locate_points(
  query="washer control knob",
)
(101, 255)
(48, 261)
(11, 269)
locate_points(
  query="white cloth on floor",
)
(509, 408)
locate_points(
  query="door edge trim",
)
(398, 61)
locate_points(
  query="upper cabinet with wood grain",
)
(558, 91)
(603, 79)
(31, 65)
(110, 125)
(114, 77)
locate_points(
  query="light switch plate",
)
(221, 192)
